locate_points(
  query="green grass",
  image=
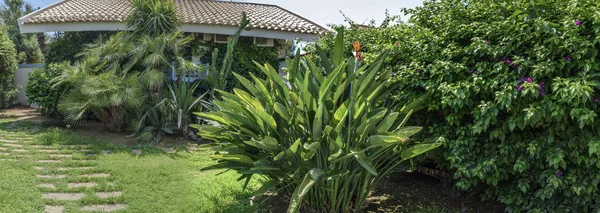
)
(153, 182)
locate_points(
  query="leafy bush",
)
(312, 142)
(514, 86)
(26, 45)
(40, 89)
(8, 66)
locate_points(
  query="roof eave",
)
(192, 28)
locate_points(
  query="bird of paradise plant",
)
(324, 139)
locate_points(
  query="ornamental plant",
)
(8, 66)
(324, 139)
(513, 86)
(41, 91)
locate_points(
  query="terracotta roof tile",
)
(203, 12)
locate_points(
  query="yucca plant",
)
(324, 139)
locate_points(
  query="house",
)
(210, 20)
(214, 19)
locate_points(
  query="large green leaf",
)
(268, 143)
(408, 131)
(365, 162)
(385, 140)
(417, 150)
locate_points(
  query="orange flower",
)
(356, 45)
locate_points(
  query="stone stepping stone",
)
(14, 145)
(38, 168)
(8, 160)
(3, 149)
(49, 161)
(8, 141)
(54, 209)
(169, 150)
(4, 153)
(61, 156)
(137, 151)
(63, 196)
(108, 194)
(39, 146)
(19, 150)
(98, 175)
(48, 150)
(82, 185)
(73, 168)
(51, 176)
(91, 155)
(104, 208)
(106, 152)
(47, 185)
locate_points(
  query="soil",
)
(410, 192)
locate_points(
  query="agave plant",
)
(324, 139)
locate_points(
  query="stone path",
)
(65, 174)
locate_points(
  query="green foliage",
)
(40, 89)
(152, 17)
(171, 115)
(8, 66)
(108, 94)
(218, 79)
(245, 52)
(514, 86)
(27, 46)
(323, 147)
(66, 46)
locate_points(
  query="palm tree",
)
(153, 17)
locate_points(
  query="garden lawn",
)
(37, 163)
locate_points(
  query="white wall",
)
(21, 79)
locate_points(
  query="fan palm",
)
(153, 17)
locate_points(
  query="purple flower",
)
(559, 174)
(472, 71)
(522, 81)
(397, 44)
(542, 91)
(578, 22)
(507, 61)
(568, 58)
(597, 100)
(486, 41)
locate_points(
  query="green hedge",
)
(41, 90)
(515, 90)
(8, 65)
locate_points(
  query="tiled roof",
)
(202, 12)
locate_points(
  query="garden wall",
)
(21, 78)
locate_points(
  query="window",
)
(221, 38)
(263, 42)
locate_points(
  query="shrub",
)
(8, 66)
(514, 87)
(40, 89)
(312, 142)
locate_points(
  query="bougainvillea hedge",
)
(514, 88)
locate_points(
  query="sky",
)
(324, 12)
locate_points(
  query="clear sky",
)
(324, 11)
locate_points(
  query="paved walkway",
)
(65, 174)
